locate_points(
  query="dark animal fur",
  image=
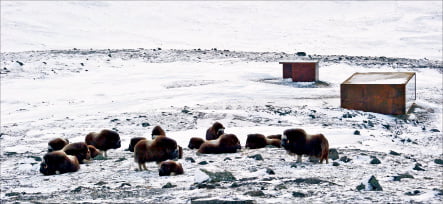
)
(170, 168)
(57, 144)
(274, 136)
(255, 141)
(227, 143)
(157, 131)
(94, 151)
(298, 142)
(133, 142)
(195, 143)
(158, 150)
(58, 162)
(215, 131)
(79, 150)
(104, 140)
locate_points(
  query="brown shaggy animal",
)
(274, 136)
(157, 131)
(195, 143)
(57, 144)
(170, 168)
(94, 151)
(58, 162)
(104, 140)
(79, 150)
(215, 131)
(158, 150)
(296, 141)
(133, 142)
(255, 141)
(227, 143)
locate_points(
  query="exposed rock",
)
(418, 166)
(298, 194)
(402, 176)
(219, 176)
(335, 164)
(145, 124)
(203, 163)
(333, 154)
(345, 159)
(256, 157)
(434, 130)
(394, 153)
(222, 201)
(255, 193)
(190, 159)
(169, 185)
(413, 193)
(356, 132)
(270, 171)
(371, 185)
(375, 160)
(439, 161)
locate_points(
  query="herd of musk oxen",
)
(63, 157)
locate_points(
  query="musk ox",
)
(94, 151)
(57, 144)
(226, 143)
(158, 150)
(79, 150)
(215, 131)
(255, 141)
(170, 168)
(104, 140)
(195, 143)
(274, 136)
(133, 142)
(157, 131)
(58, 162)
(296, 141)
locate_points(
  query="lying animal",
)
(133, 142)
(255, 141)
(296, 141)
(227, 143)
(157, 131)
(195, 143)
(57, 144)
(58, 162)
(215, 131)
(274, 136)
(104, 140)
(94, 151)
(170, 168)
(158, 150)
(79, 150)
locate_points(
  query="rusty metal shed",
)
(300, 70)
(379, 92)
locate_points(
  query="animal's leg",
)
(299, 158)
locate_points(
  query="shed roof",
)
(379, 78)
(290, 61)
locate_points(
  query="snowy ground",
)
(68, 93)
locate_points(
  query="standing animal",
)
(58, 162)
(226, 143)
(157, 131)
(133, 142)
(156, 150)
(195, 142)
(79, 150)
(104, 140)
(255, 141)
(170, 168)
(215, 131)
(57, 144)
(298, 142)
